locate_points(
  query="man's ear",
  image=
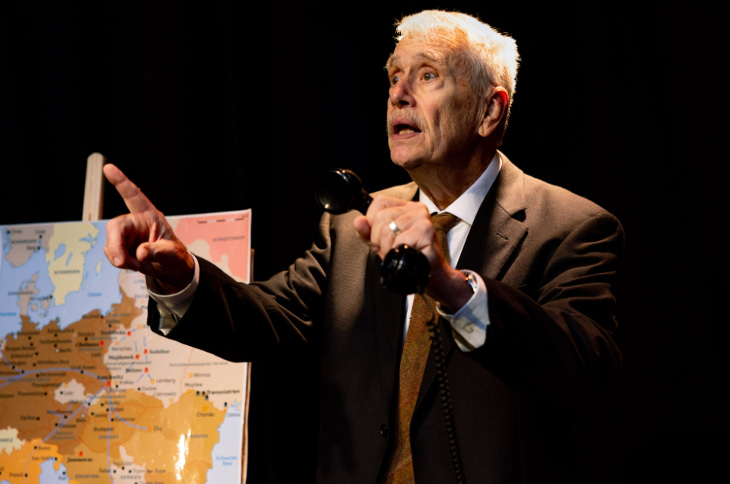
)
(495, 112)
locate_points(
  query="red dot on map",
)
(145, 370)
(129, 333)
(101, 343)
(81, 452)
(136, 356)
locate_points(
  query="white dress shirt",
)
(469, 324)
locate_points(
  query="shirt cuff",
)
(469, 324)
(172, 307)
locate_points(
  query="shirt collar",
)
(467, 205)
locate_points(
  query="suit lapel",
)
(498, 228)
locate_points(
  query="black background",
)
(215, 106)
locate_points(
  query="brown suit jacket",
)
(549, 260)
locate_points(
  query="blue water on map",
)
(97, 290)
(50, 476)
(226, 466)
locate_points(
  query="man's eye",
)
(394, 80)
(429, 76)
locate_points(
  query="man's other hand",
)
(143, 240)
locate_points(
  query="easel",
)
(93, 211)
(94, 189)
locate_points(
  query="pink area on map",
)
(226, 233)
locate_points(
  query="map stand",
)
(94, 189)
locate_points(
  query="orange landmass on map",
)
(38, 362)
(170, 445)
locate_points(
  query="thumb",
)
(165, 258)
(362, 227)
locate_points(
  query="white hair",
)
(491, 57)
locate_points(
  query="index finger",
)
(134, 199)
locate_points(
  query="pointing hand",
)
(143, 240)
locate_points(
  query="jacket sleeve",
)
(554, 336)
(248, 322)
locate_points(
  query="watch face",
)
(472, 282)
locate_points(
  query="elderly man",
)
(521, 280)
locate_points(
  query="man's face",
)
(430, 117)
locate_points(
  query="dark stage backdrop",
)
(215, 106)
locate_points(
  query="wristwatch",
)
(471, 280)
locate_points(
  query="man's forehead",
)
(419, 52)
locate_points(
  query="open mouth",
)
(405, 129)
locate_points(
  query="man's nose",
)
(400, 94)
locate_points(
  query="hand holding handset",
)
(404, 270)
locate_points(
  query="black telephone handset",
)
(404, 269)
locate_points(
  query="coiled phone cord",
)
(447, 408)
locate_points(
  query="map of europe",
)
(88, 394)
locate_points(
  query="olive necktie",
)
(413, 364)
